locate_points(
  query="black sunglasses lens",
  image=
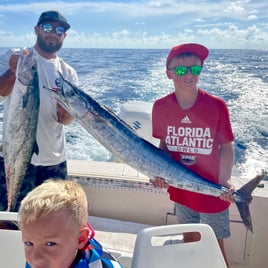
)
(60, 31)
(48, 28)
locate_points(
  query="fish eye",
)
(69, 94)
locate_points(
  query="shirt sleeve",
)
(156, 128)
(225, 129)
(69, 72)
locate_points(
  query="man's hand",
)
(13, 61)
(63, 116)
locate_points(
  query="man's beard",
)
(48, 48)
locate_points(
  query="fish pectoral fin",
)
(91, 116)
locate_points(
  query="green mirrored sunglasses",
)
(183, 70)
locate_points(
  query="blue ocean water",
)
(115, 76)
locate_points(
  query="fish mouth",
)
(54, 89)
(57, 95)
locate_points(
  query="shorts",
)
(35, 175)
(218, 221)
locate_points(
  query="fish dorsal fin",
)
(119, 119)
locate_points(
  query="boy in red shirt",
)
(194, 128)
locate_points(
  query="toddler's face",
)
(51, 241)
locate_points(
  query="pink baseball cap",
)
(200, 51)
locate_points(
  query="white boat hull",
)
(118, 192)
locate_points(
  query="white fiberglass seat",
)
(163, 246)
(11, 246)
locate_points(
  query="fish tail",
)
(244, 212)
(246, 191)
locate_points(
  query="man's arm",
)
(226, 163)
(7, 81)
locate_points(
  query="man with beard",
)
(50, 161)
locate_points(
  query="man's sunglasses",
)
(183, 70)
(49, 28)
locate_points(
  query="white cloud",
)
(252, 17)
(148, 24)
(235, 8)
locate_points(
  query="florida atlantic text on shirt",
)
(189, 140)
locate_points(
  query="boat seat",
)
(11, 245)
(163, 246)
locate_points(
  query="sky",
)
(217, 24)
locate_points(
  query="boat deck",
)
(118, 237)
(122, 201)
(97, 169)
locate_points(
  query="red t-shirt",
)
(193, 137)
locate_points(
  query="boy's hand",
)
(228, 196)
(159, 183)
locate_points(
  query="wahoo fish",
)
(119, 138)
(20, 124)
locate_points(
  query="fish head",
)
(26, 68)
(70, 97)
